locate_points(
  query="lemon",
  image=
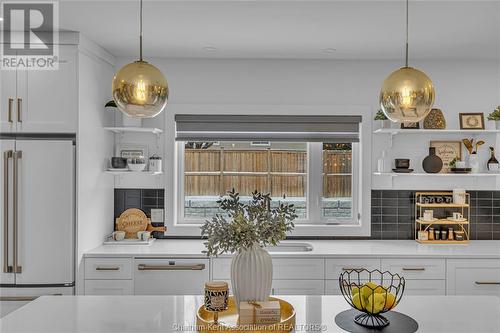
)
(390, 301)
(375, 303)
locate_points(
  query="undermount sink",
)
(290, 247)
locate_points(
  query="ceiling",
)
(290, 29)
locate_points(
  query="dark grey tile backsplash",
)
(393, 214)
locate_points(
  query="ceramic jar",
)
(474, 163)
(251, 274)
(432, 163)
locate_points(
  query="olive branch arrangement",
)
(244, 225)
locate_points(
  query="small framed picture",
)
(471, 121)
(447, 151)
(410, 125)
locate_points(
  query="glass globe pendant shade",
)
(140, 90)
(407, 95)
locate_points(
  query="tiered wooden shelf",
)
(423, 225)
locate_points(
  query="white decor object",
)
(251, 274)
(474, 163)
(459, 196)
(381, 164)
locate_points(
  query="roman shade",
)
(336, 129)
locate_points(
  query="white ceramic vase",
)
(473, 163)
(251, 275)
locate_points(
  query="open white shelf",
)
(423, 174)
(155, 131)
(394, 131)
(128, 172)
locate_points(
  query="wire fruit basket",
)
(373, 293)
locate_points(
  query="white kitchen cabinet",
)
(170, 276)
(473, 277)
(298, 287)
(416, 269)
(412, 287)
(109, 287)
(41, 101)
(283, 268)
(334, 267)
(108, 268)
(7, 100)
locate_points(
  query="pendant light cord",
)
(407, 16)
(140, 33)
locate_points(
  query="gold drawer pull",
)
(352, 269)
(491, 283)
(196, 267)
(416, 269)
(107, 268)
(21, 298)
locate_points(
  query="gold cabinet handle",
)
(19, 109)
(352, 269)
(196, 267)
(107, 268)
(11, 100)
(17, 155)
(491, 283)
(414, 269)
(6, 156)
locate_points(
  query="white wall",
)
(95, 209)
(461, 86)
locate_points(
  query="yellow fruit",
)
(371, 285)
(358, 301)
(375, 303)
(367, 289)
(390, 301)
(354, 290)
(380, 290)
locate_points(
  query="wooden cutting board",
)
(132, 221)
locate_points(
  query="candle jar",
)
(216, 296)
(431, 234)
(450, 234)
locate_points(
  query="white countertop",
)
(127, 314)
(181, 248)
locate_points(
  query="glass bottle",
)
(492, 162)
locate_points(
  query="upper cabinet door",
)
(47, 100)
(7, 100)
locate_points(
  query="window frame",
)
(314, 180)
(170, 179)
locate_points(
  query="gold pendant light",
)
(139, 89)
(407, 95)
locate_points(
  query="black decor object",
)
(392, 283)
(118, 162)
(402, 163)
(432, 163)
(400, 323)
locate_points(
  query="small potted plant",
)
(384, 122)
(495, 116)
(246, 229)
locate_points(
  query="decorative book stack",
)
(260, 312)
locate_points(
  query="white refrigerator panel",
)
(7, 246)
(46, 212)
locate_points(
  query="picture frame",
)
(471, 121)
(415, 125)
(447, 151)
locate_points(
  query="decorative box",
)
(259, 312)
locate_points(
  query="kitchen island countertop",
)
(127, 314)
(192, 248)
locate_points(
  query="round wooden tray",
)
(228, 320)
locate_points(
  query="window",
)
(316, 177)
(313, 161)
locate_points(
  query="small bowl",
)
(137, 167)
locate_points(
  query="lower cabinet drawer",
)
(334, 267)
(108, 268)
(108, 287)
(473, 277)
(298, 287)
(160, 276)
(431, 269)
(412, 287)
(289, 269)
